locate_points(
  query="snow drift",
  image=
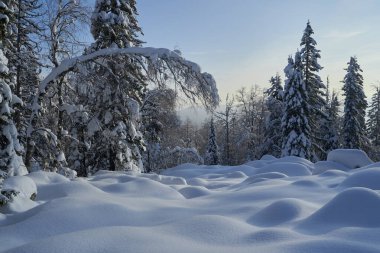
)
(271, 205)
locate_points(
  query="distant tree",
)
(226, 119)
(329, 124)
(314, 86)
(159, 121)
(373, 124)
(252, 111)
(274, 103)
(355, 105)
(295, 121)
(212, 151)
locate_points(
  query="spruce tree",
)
(118, 90)
(212, 152)
(314, 86)
(330, 127)
(10, 161)
(355, 106)
(295, 124)
(274, 103)
(373, 124)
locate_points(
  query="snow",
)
(278, 206)
(352, 158)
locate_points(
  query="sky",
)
(244, 42)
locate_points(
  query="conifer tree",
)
(373, 123)
(212, 152)
(10, 160)
(295, 124)
(274, 103)
(314, 86)
(117, 93)
(355, 106)
(328, 124)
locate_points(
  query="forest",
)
(90, 123)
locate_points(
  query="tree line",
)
(300, 116)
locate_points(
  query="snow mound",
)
(268, 158)
(212, 229)
(295, 159)
(323, 166)
(147, 187)
(351, 158)
(43, 177)
(334, 173)
(306, 183)
(236, 174)
(279, 212)
(26, 191)
(262, 177)
(354, 207)
(194, 192)
(257, 163)
(24, 185)
(169, 180)
(369, 178)
(271, 235)
(287, 168)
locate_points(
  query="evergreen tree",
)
(10, 160)
(314, 86)
(354, 107)
(373, 124)
(212, 153)
(274, 103)
(117, 89)
(295, 124)
(114, 24)
(328, 125)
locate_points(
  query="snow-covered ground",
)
(271, 205)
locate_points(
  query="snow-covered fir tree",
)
(373, 124)
(355, 105)
(328, 125)
(212, 151)
(295, 121)
(274, 103)
(11, 163)
(314, 86)
(114, 24)
(117, 94)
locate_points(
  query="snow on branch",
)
(187, 75)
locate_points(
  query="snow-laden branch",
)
(193, 82)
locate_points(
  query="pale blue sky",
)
(244, 42)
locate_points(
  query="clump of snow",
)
(287, 168)
(268, 158)
(351, 158)
(26, 192)
(323, 166)
(368, 178)
(307, 183)
(24, 185)
(194, 192)
(279, 212)
(354, 207)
